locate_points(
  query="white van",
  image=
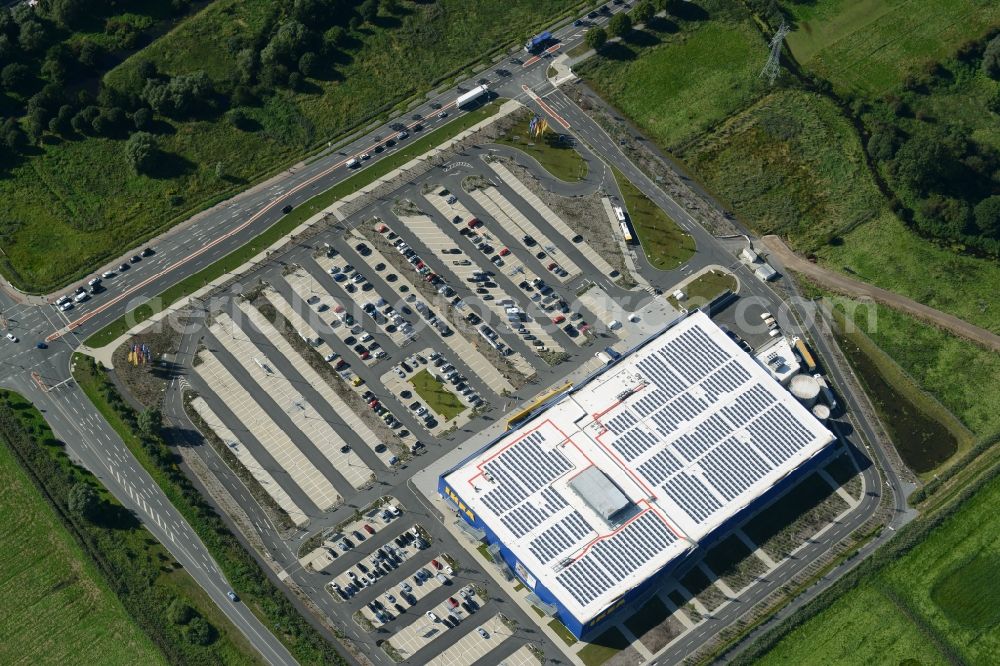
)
(81, 297)
(774, 333)
(614, 325)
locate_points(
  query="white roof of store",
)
(689, 429)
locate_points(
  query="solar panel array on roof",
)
(686, 377)
(688, 431)
(612, 559)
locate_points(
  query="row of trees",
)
(621, 24)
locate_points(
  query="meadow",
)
(57, 607)
(938, 603)
(675, 79)
(76, 203)
(790, 164)
(867, 47)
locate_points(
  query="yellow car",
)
(357, 381)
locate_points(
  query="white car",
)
(365, 156)
(12, 337)
(432, 617)
(94, 282)
(66, 305)
(482, 632)
(765, 315)
(108, 274)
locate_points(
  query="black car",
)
(135, 259)
(148, 252)
(287, 209)
(123, 267)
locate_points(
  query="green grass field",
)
(683, 82)
(945, 590)
(704, 288)
(438, 398)
(666, 245)
(76, 203)
(559, 159)
(868, 46)
(887, 254)
(790, 164)
(56, 607)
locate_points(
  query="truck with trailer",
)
(536, 43)
(467, 98)
(804, 353)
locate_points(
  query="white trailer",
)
(471, 96)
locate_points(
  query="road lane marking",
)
(72, 325)
(545, 107)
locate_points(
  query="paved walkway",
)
(851, 287)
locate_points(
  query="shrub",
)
(596, 38)
(141, 152)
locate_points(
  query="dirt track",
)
(851, 287)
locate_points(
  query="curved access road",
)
(851, 287)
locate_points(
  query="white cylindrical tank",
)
(821, 412)
(805, 389)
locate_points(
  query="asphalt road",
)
(218, 232)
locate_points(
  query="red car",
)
(473, 223)
(369, 529)
(552, 265)
(381, 228)
(504, 252)
(453, 602)
(437, 565)
(373, 403)
(558, 319)
(430, 277)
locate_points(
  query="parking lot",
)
(377, 343)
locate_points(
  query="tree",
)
(924, 162)
(334, 38)
(32, 36)
(84, 501)
(987, 216)
(288, 44)
(596, 38)
(991, 59)
(309, 64)
(198, 631)
(181, 95)
(67, 13)
(60, 124)
(89, 54)
(620, 25)
(149, 420)
(643, 12)
(141, 151)
(14, 76)
(369, 10)
(883, 143)
(142, 119)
